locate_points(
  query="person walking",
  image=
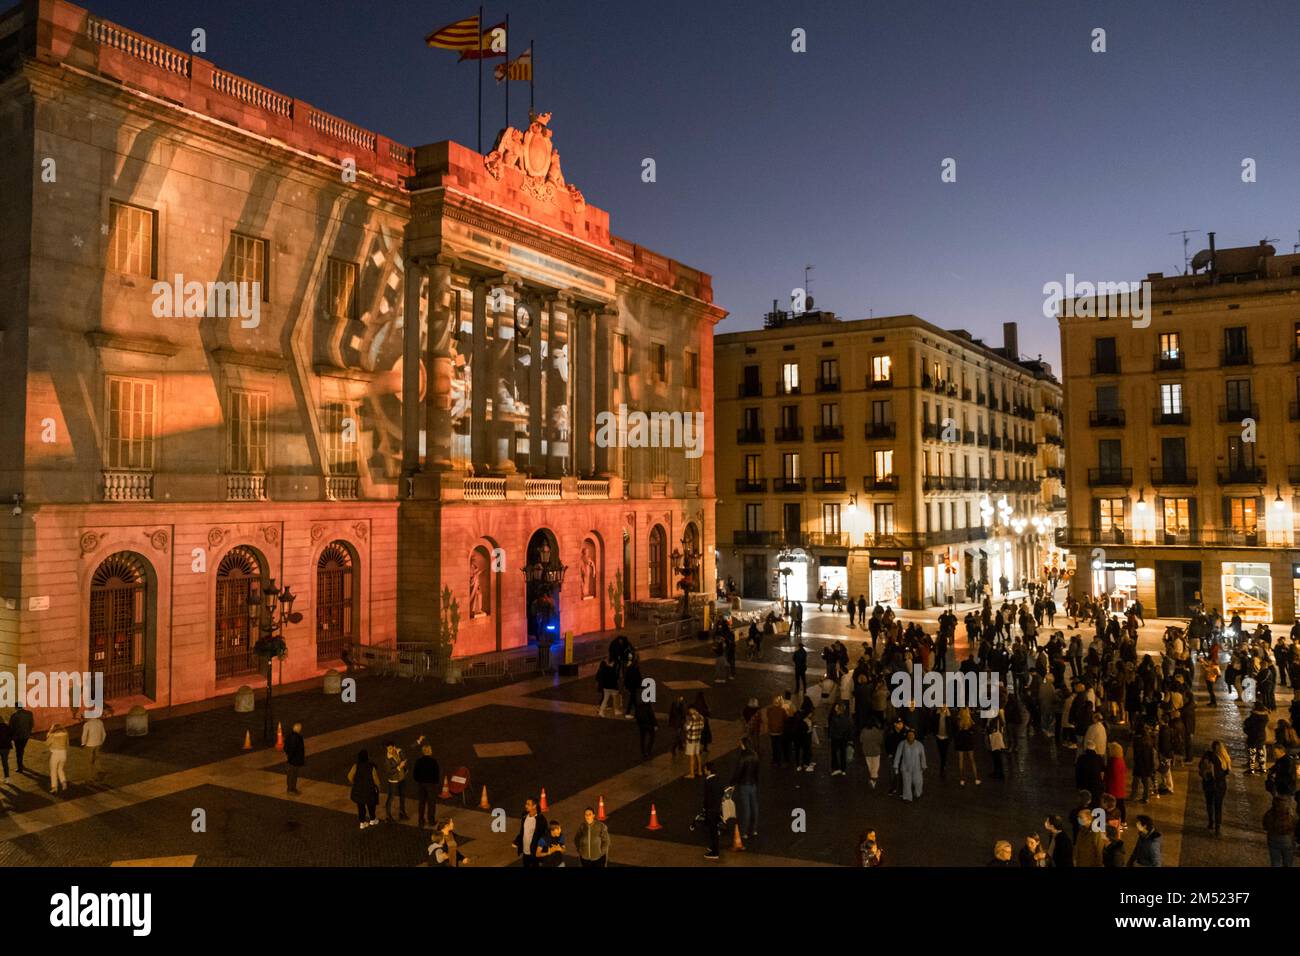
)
(6, 744)
(909, 763)
(1280, 828)
(532, 831)
(57, 741)
(607, 684)
(965, 745)
(646, 723)
(800, 660)
(295, 756)
(694, 742)
(1210, 670)
(839, 728)
(426, 773)
(396, 772)
(364, 777)
(592, 840)
(774, 718)
(20, 729)
(744, 781)
(1117, 778)
(872, 741)
(1214, 768)
(712, 810)
(93, 735)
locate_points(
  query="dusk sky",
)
(767, 160)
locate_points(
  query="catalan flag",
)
(518, 69)
(462, 35)
(492, 43)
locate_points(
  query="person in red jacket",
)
(1117, 778)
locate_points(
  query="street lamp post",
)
(269, 616)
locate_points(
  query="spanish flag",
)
(492, 43)
(462, 35)
(520, 68)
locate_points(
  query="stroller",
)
(728, 814)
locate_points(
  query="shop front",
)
(1247, 591)
(1115, 581)
(887, 581)
(833, 574)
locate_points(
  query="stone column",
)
(604, 398)
(536, 384)
(442, 323)
(480, 378)
(560, 385)
(503, 375)
(580, 371)
(413, 322)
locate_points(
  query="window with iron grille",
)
(692, 369)
(338, 423)
(119, 606)
(132, 240)
(239, 579)
(335, 603)
(658, 555)
(130, 425)
(246, 431)
(341, 289)
(661, 363)
(248, 261)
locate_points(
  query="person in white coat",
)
(909, 763)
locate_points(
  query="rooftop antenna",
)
(1187, 259)
(1296, 247)
(807, 286)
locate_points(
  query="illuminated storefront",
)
(1247, 591)
(887, 582)
(1115, 582)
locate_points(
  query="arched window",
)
(239, 578)
(658, 562)
(119, 606)
(335, 602)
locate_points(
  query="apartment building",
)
(886, 457)
(1184, 436)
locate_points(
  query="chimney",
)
(1211, 235)
(1010, 341)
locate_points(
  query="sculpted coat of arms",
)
(532, 153)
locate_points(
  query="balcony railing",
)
(751, 389)
(128, 485)
(995, 443)
(827, 539)
(543, 489)
(930, 430)
(751, 486)
(1238, 413)
(828, 484)
(1229, 357)
(880, 483)
(886, 382)
(245, 487)
(880, 429)
(593, 488)
(342, 487)
(968, 437)
(1057, 440)
(1243, 475)
(828, 433)
(484, 489)
(755, 539)
(751, 436)
(789, 433)
(1105, 366)
(965, 394)
(1165, 363)
(784, 388)
(793, 539)
(1118, 477)
(1161, 477)
(828, 384)
(788, 484)
(1161, 417)
(982, 439)
(1293, 474)
(1106, 418)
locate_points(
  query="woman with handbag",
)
(997, 731)
(364, 777)
(965, 744)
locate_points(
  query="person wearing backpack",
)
(1214, 768)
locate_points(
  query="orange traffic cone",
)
(483, 800)
(279, 736)
(736, 843)
(600, 809)
(248, 741)
(654, 819)
(542, 803)
(446, 790)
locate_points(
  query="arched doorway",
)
(239, 580)
(544, 575)
(335, 602)
(657, 560)
(692, 559)
(121, 604)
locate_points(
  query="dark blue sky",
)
(1067, 160)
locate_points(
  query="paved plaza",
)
(519, 737)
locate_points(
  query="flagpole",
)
(507, 69)
(532, 72)
(479, 40)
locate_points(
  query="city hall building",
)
(246, 345)
(1184, 471)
